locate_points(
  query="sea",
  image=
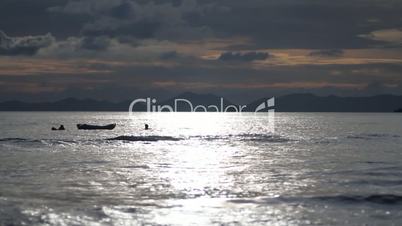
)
(201, 169)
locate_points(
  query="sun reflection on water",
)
(223, 165)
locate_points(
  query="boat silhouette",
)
(96, 127)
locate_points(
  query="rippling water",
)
(201, 169)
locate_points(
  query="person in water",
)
(146, 126)
(60, 128)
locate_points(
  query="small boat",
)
(96, 127)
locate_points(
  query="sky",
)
(240, 49)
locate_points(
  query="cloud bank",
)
(245, 57)
(126, 46)
(28, 45)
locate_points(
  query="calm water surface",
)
(201, 169)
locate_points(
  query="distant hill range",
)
(287, 103)
(313, 103)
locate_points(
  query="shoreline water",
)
(201, 169)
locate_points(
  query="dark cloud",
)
(270, 24)
(303, 24)
(169, 55)
(122, 11)
(168, 40)
(164, 20)
(246, 57)
(108, 27)
(326, 53)
(95, 43)
(28, 45)
(23, 17)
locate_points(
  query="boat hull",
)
(95, 127)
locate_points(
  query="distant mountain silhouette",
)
(312, 103)
(69, 104)
(288, 103)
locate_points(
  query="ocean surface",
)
(201, 169)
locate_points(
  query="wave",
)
(385, 199)
(270, 138)
(13, 140)
(371, 136)
(145, 138)
(51, 142)
(238, 137)
(21, 141)
(381, 199)
(35, 142)
(376, 182)
(263, 138)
